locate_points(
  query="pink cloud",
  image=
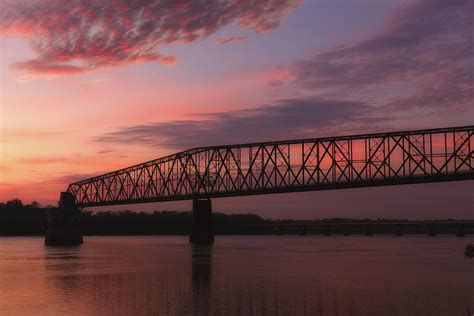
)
(74, 37)
(48, 68)
(231, 39)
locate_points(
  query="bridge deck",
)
(418, 156)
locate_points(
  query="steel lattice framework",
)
(419, 156)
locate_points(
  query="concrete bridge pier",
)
(201, 229)
(63, 223)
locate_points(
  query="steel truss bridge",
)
(417, 156)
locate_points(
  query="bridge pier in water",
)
(201, 229)
(64, 223)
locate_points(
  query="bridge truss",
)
(418, 156)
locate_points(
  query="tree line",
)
(18, 219)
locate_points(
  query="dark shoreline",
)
(17, 219)
(367, 228)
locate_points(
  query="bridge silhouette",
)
(199, 174)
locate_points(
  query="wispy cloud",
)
(42, 160)
(69, 178)
(286, 119)
(48, 68)
(231, 39)
(73, 37)
(425, 45)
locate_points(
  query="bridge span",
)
(199, 174)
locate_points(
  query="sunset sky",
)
(90, 86)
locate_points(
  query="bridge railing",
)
(289, 166)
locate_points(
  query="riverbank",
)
(19, 220)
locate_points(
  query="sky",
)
(91, 86)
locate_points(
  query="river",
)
(239, 275)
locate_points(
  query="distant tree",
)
(35, 204)
(14, 203)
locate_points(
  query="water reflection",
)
(62, 269)
(201, 263)
(62, 260)
(237, 276)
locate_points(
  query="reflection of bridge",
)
(419, 156)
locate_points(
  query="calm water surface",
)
(270, 275)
